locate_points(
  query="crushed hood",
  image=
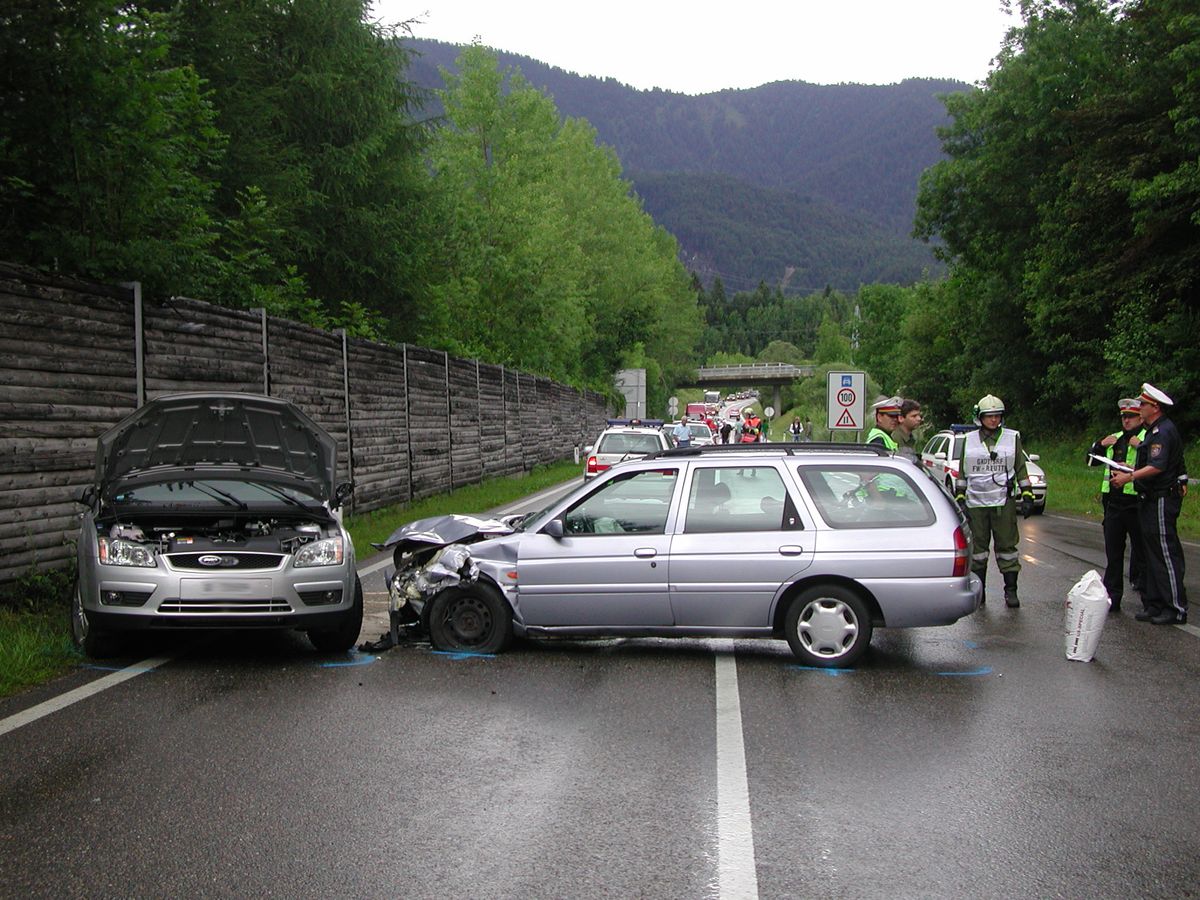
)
(193, 435)
(443, 530)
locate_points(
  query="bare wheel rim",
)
(827, 627)
(468, 621)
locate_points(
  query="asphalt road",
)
(966, 761)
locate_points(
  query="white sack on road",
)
(1087, 611)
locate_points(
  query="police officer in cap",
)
(1160, 479)
(1121, 516)
(887, 416)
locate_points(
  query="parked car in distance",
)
(806, 542)
(215, 511)
(622, 440)
(943, 451)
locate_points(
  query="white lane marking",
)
(1190, 629)
(735, 836)
(54, 704)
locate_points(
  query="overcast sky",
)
(699, 46)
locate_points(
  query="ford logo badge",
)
(209, 560)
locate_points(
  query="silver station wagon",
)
(215, 511)
(818, 544)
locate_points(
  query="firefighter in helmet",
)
(992, 484)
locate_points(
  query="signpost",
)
(847, 403)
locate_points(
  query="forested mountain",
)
(819, 179)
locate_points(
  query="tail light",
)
(962, 559)
(593, 467)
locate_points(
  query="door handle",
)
(645, 553)
(790, 550)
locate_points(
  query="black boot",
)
(1010, 590)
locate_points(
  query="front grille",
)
(225, 560)
(223, 607)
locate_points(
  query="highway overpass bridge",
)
(772, 375)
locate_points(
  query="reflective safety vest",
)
(989, 473)
(1130, 460)
(877, 432)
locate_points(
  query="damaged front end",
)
(433, 554)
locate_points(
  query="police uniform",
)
(887, 407)
(1160, 499)
(1121, 508)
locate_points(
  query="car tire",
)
(828, 626)
(342, 638)
(473, 618)
(91, 641)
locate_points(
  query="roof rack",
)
(786, 449)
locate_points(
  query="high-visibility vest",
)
(988, 473)
(890, 444)
(1130, 460)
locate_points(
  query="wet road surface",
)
(972, 760)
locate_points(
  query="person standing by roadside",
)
(796, 431)
(726, 430)
(1160, 478)
(992, 461)
(1121, 504)
(808, 432)
(682, 434)
(887, 417)
(903, 434)
(751, 427)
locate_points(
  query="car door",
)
(739, 538)
(609, 569)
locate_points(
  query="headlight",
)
(116, 552)
(328, 552)
(1036, 479)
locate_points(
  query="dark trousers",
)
(1164, 555)
(1121, 521)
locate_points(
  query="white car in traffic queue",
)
(622, 440)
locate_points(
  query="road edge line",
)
(737, 870)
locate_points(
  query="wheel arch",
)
(800, 585)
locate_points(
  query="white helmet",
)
(988, 405)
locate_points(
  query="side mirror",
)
(1034, 457)
(342, 493)
(941, 454)
(554, 528)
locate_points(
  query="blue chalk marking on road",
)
(833, 673)
(970, 645)
(463, 654)
(356, 659)
(982, 670)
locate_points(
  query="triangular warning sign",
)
(846, 420)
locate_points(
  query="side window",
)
(866, 497)
(633, 503)
(736, 499)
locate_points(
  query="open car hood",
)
(227, 434)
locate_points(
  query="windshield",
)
(214, 492)
(700, 431)
(629, 443)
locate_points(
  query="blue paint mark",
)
(356, 659)
(982, 670)
(463, 654)
(832, 673)
(970, 645)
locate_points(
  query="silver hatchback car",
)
(818, 544)
(215, 511)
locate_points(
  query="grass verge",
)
(34, 647)
(375, 526)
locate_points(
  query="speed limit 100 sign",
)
(846, 401)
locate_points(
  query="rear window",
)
(629, 443)
(866, 497)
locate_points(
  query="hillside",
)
(819, 179)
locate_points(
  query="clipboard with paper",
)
(1111, 463)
